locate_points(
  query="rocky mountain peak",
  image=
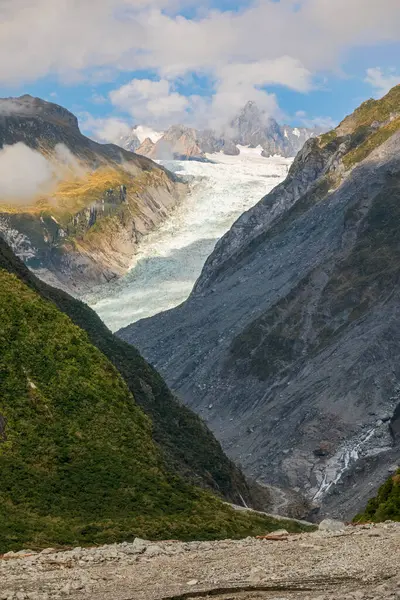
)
(248, 123)
(29, 106)
(251, 127)
(146, 147)
(130, 142)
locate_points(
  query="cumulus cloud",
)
(66, 164)
(265, 43)
(157, 104)
(382, 82)
(110, 129)
(152, 102)
(9, 106)
(25, 173)
(76, 36)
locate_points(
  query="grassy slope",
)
(386, 505)
(77, 459)
(357, 127)
(187, 444)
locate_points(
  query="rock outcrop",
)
(146, 148)
(84, 228)
(289, 345)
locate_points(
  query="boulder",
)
(331, 525)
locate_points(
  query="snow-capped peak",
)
(143, 132)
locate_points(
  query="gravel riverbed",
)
(354, 564)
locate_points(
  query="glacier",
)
(170, 259)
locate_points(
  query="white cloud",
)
(156, 103)
(266, 43)
(104, 130)
(81, 37)
(380, 81)
(98, 98)
(151, 102)
(325, 123)
(25, 173)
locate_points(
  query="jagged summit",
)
(251, 127)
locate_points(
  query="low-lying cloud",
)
(26, 174)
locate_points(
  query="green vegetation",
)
(327, 137)
(358, 127)
(386, 505)
(187, 445)
(374, 110)
(77, 459)
(373, 141)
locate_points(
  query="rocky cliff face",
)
(250, 127)
(84, 227)
(289, 345)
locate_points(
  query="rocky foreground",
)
(349, 564)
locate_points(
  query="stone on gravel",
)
(138, 546)
(331, 525)
(154, 550)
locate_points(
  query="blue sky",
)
(158, 62)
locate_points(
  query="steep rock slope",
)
(77, 459)
(84, 225)
(290, 342)
(251, 127)
(188, 447)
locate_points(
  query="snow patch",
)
(330, 473)
(18, 242)
(296, 132)
(246, 150)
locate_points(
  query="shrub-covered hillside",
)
(386, 505)
(187, 445)
(77, 459)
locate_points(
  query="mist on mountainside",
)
(25, 174)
